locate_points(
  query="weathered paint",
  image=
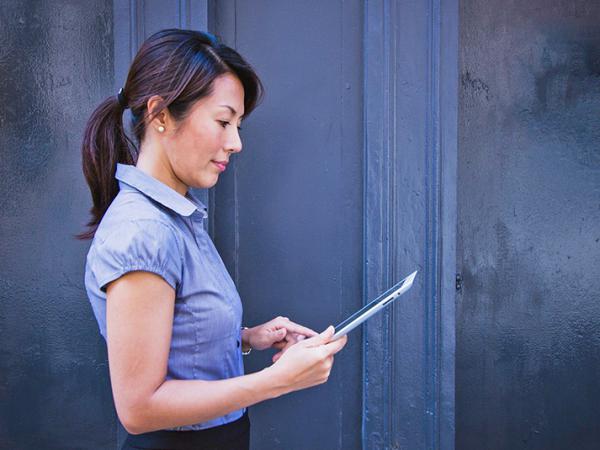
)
(528, 340)
(55, 66)
(410, 202)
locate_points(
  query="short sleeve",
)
(143, 245)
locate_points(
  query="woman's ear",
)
(163, 118)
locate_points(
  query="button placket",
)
(196, 224)
(215, 264)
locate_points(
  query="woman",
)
(164, 302)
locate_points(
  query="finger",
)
(279, 344)
(280, 333)
(293, 327)
(276, 335)
(294, 337)
(335, 346)
(290, 338)
(276, 356)
(321, 338)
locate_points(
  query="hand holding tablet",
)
(373, 307)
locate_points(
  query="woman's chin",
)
(207, 183)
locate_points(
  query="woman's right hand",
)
(308, 362)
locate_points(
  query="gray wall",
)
(54, 387)
(528, 340)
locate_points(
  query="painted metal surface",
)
(288, 211)
(55, 66)
(410, 198)
(528, 339)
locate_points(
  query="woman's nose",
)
(234, 144)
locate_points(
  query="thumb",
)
(321, 338)
(279, 334)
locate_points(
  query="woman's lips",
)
(221, 166)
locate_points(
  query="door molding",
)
(410, 151)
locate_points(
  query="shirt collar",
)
(158, 191)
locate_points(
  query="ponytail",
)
(179, 66)
(104, 145)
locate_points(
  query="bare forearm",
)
(184, 402)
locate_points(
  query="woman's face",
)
(199, 150)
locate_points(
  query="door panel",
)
(288, 211)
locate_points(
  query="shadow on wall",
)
(568, 93)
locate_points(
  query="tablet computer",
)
(376, 305)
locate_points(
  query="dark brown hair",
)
(180, 67)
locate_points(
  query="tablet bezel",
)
(373, 307)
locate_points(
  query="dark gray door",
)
(347, 184)
(528, 339)
(288, 215)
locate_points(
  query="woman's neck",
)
(149, 162)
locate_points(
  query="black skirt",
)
(231, 436)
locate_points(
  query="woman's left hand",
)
(276, 333)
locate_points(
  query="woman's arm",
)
(139, 325)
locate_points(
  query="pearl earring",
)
(161, 129)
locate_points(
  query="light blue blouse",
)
(151, 227)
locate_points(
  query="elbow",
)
(132, 424)
(136, 412)
(133, 421)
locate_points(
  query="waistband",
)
(231, 435)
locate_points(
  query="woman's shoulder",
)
(136, 226)
(133, 210)
(135, 234)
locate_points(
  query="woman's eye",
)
(225, 123)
